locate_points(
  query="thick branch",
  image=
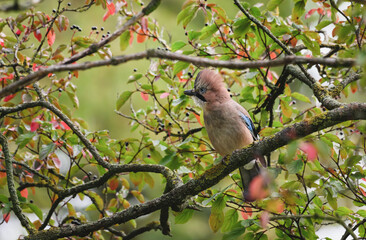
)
(198, 61)
(11, 186)
(353, 111)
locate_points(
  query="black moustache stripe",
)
(200, 97)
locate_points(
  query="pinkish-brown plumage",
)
(228, 124)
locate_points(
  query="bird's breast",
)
(226, 129)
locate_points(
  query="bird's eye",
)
(201, 90)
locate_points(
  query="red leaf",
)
(66, 127)
(24, 193)
(34, 126)
(10, 97)
(6, 217)
(363, 192)
(57, 162)
(246, 213)
(272, 55)
(164, 95)
(111, 8)
(106, 15)
(257, 188)
(51, 36)
(38, 35)
(308, 14)
(145, 96)
(113, 184)
(141, 37)
(310, 150)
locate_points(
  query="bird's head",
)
(209, 88)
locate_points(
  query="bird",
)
(228, 125)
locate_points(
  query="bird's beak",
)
(190, 93)
(196, 94)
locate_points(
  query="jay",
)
(228, 124)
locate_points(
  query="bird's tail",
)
(254, 182)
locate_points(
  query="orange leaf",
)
(113, 184)
(51, 36)
(6, 217)
(141, 37)
(24, 193)
(198, 118)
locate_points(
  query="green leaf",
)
(184, 216)
(134, 77)
(179, 66)
(268, 131)
(300, 97)
(208, 31)
(23, 139)
(4, 199)
(46, 150)
(342, 211)
(295, 166)
(241, 27)
(231, 217)
(323, 24)
(332, 137)
(124, 40)
(234, 234)
(219, 204)
(187, 14)
(272, 4)
(178, 45)
(122, 99)
(255, 12)
(362, 213)
(344, 32)
(298, 9)
(36, 210)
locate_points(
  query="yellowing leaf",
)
(138, 196)
(286, 109)
(216, 220)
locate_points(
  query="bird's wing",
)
(249, 123)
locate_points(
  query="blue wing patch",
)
(249, 124)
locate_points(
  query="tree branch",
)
(198, 61)
(353, 111)
(11, 186)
